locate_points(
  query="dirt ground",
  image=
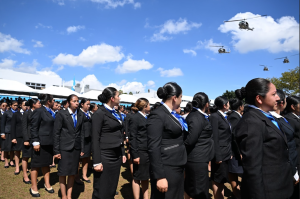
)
(12, 186)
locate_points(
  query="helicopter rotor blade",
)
(234, 20)
(258, 16)
(263, 65)
(281, 58)
(217, 46)
(295, 54)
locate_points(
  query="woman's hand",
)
(3, 136)
(219, 162)
(124, 159)
(81, 154)
(36, 148)
(57, 156)
(98, 168)
(136, 161)
(14, 141)
(162, 185)
(26, 143)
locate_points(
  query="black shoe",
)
(28, 171)
(26, 182)
(79, 182)
(12, 165)
(17, 173)
(35, 195)
(6, 167)
(49, 191)
(117, 193)
(2, 160)
(88, 181)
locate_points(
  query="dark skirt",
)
(6, 143)
(235, 166)
(68, 164)
(196, 182)
(141, 171)
(42, 158)
(175, 178)
(27, 151)
(219, 172)
(87, 147)
(106, 182)
(18, 146)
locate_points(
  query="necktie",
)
(181, 121)
(123, 116)
(114, 113)
(286, 120)
(74, 119)
(268, 115)
(87, 115)
(13, 110)
(50, 111)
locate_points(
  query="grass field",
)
(12, 186)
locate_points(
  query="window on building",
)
(37, 86)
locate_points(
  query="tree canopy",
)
(229, 94)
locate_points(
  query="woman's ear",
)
(258, 99)
(293, 107)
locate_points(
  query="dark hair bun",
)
(162, 93)
(241, 93)
(135, 109)
(102, 98)
(42, 96)
(196, 102)
(27, 103)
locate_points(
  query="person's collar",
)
(83, 110)
(167, 107)
(222, 113)
(275, 114)
(31, 110)
(255, 107)
(238, 113)
(21, 111)
(71, 112)
(142, 114)
(108, 107)
(296, 115)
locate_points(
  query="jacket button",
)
(287, 149)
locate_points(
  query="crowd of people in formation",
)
(253, 138)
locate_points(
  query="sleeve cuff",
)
(2, 134)
(35, 143)
(94, 165)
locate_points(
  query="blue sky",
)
(135, 44)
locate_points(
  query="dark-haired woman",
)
(166, 149)
(93, 108)
(3, 106)
(6, 134)
(42, 122)
(138, 148)
(26, 126)
(264, 148)
(16, 135)
(292, 115)
(200, 149)
(108, 148)
(235, 164)
(222, 144)
(87, 132)
(68, 144)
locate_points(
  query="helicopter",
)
(265, 67)
(221, 49)
(286, 60)
(244, 24)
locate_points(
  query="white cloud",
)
(72, 29)
(146, 52)
(131, 66)
(60, 68)
(268, 34)
(40, 25)
(8, 43)
(7, 63)
(97, 54)
(48, 73)
(172, 27)
(37, 44)
(115, 3)
(59, 2)
(190, 51)
(150, 84)
(170, 73)
(82, 39)
(28, 67)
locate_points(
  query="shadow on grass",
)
(126, 188)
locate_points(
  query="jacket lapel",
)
(223, 117)
(69, 117)
(109, 114)
(47, 113)
(79, 118)
(172, 117)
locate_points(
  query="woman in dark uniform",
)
(108, 147)
(3, 106)
(200, 149)
(68, 144)
(6, 133)
(87, 132)
(222, 141)
(42, 122)
(26, 126)
(235, 164)
(138, 148)
(93, 108)
(166, 149)
(264, 148)
(17, 136)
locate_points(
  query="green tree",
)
(288, 82)
(229, 94)
(120, 92)
(130, 93)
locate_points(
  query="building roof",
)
(14, 87)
